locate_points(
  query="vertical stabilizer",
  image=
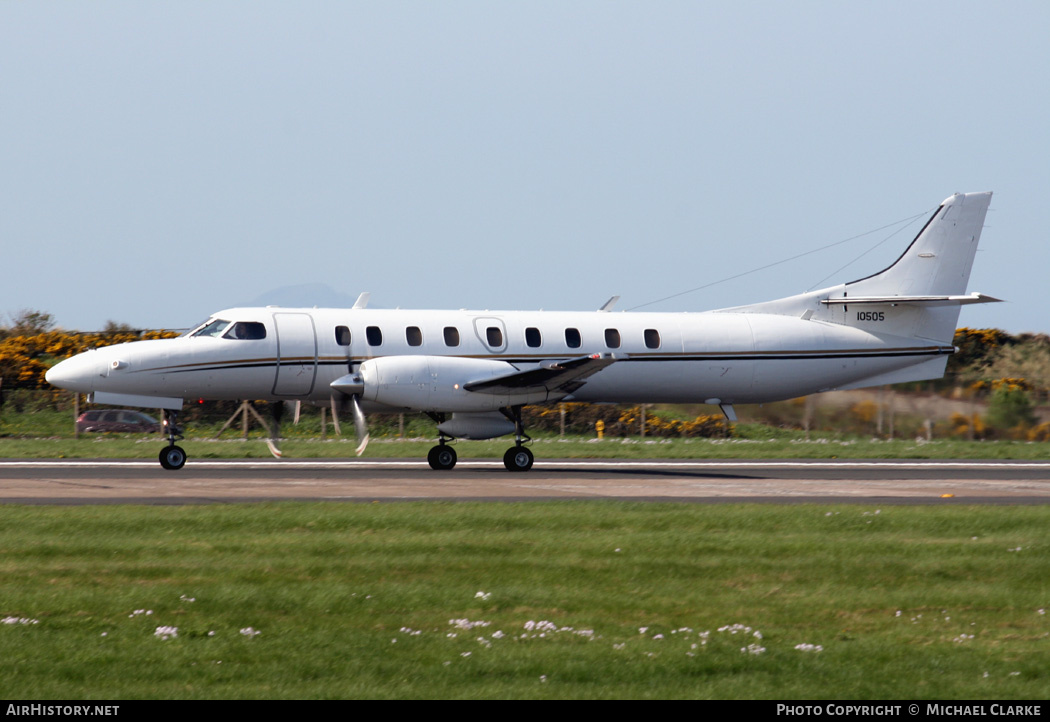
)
(938, 261)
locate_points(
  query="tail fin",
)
(919, 295)
(938, 261)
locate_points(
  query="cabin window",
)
(533, 338)
(249, 330)
(342, 335)
(414, 336)
(612, 338)
(652, 338)
(572, 338)
(374, 334)
(451, 336)
(215, 328)
(494, 336)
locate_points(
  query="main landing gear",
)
(517, 458)
(172, 457)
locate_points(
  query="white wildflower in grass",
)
(734, 628)
(464, 654)
(19, 620)
(1041, 611)
(643, 630)
(542, 626)
(805, 647)
(166, 633)
(498, 635)
(658, 636)
(621, 645)
(184, 598)
(410, 632)
(755, 649)
(466, 624)
(543, 678)
(483, 596)
(962, 638)
(249, 632)
(137, 612)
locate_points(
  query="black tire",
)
(518, 458)
(442, 458)
(172, 458)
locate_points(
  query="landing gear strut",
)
(518, 457)
(172, 457)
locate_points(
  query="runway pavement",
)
(794, 481)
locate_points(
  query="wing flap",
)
(555, 376)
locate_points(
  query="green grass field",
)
(524, 600)
(127, 447)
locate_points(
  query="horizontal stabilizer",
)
(912, 300)
(566, 376)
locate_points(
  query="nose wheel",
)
(172, 457)
(442, 457)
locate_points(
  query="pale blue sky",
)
(163, 160)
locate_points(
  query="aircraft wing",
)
(564, 376)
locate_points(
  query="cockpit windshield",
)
(214, 328)
(218, 327)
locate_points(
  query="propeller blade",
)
(360, 425)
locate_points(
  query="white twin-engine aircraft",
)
(473, 371)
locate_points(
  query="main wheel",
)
(172, 458)
(442, 457)
(518, 458)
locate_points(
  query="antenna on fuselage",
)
(362, 300)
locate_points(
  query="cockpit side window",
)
(248, 330)
(215, 328)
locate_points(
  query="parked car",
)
(120, 420)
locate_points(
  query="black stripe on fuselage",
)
(638, 357)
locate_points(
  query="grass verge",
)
(529, 600)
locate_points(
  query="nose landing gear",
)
(172, 457)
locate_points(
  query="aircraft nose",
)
(75, 374)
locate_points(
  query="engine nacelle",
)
(435, 383)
